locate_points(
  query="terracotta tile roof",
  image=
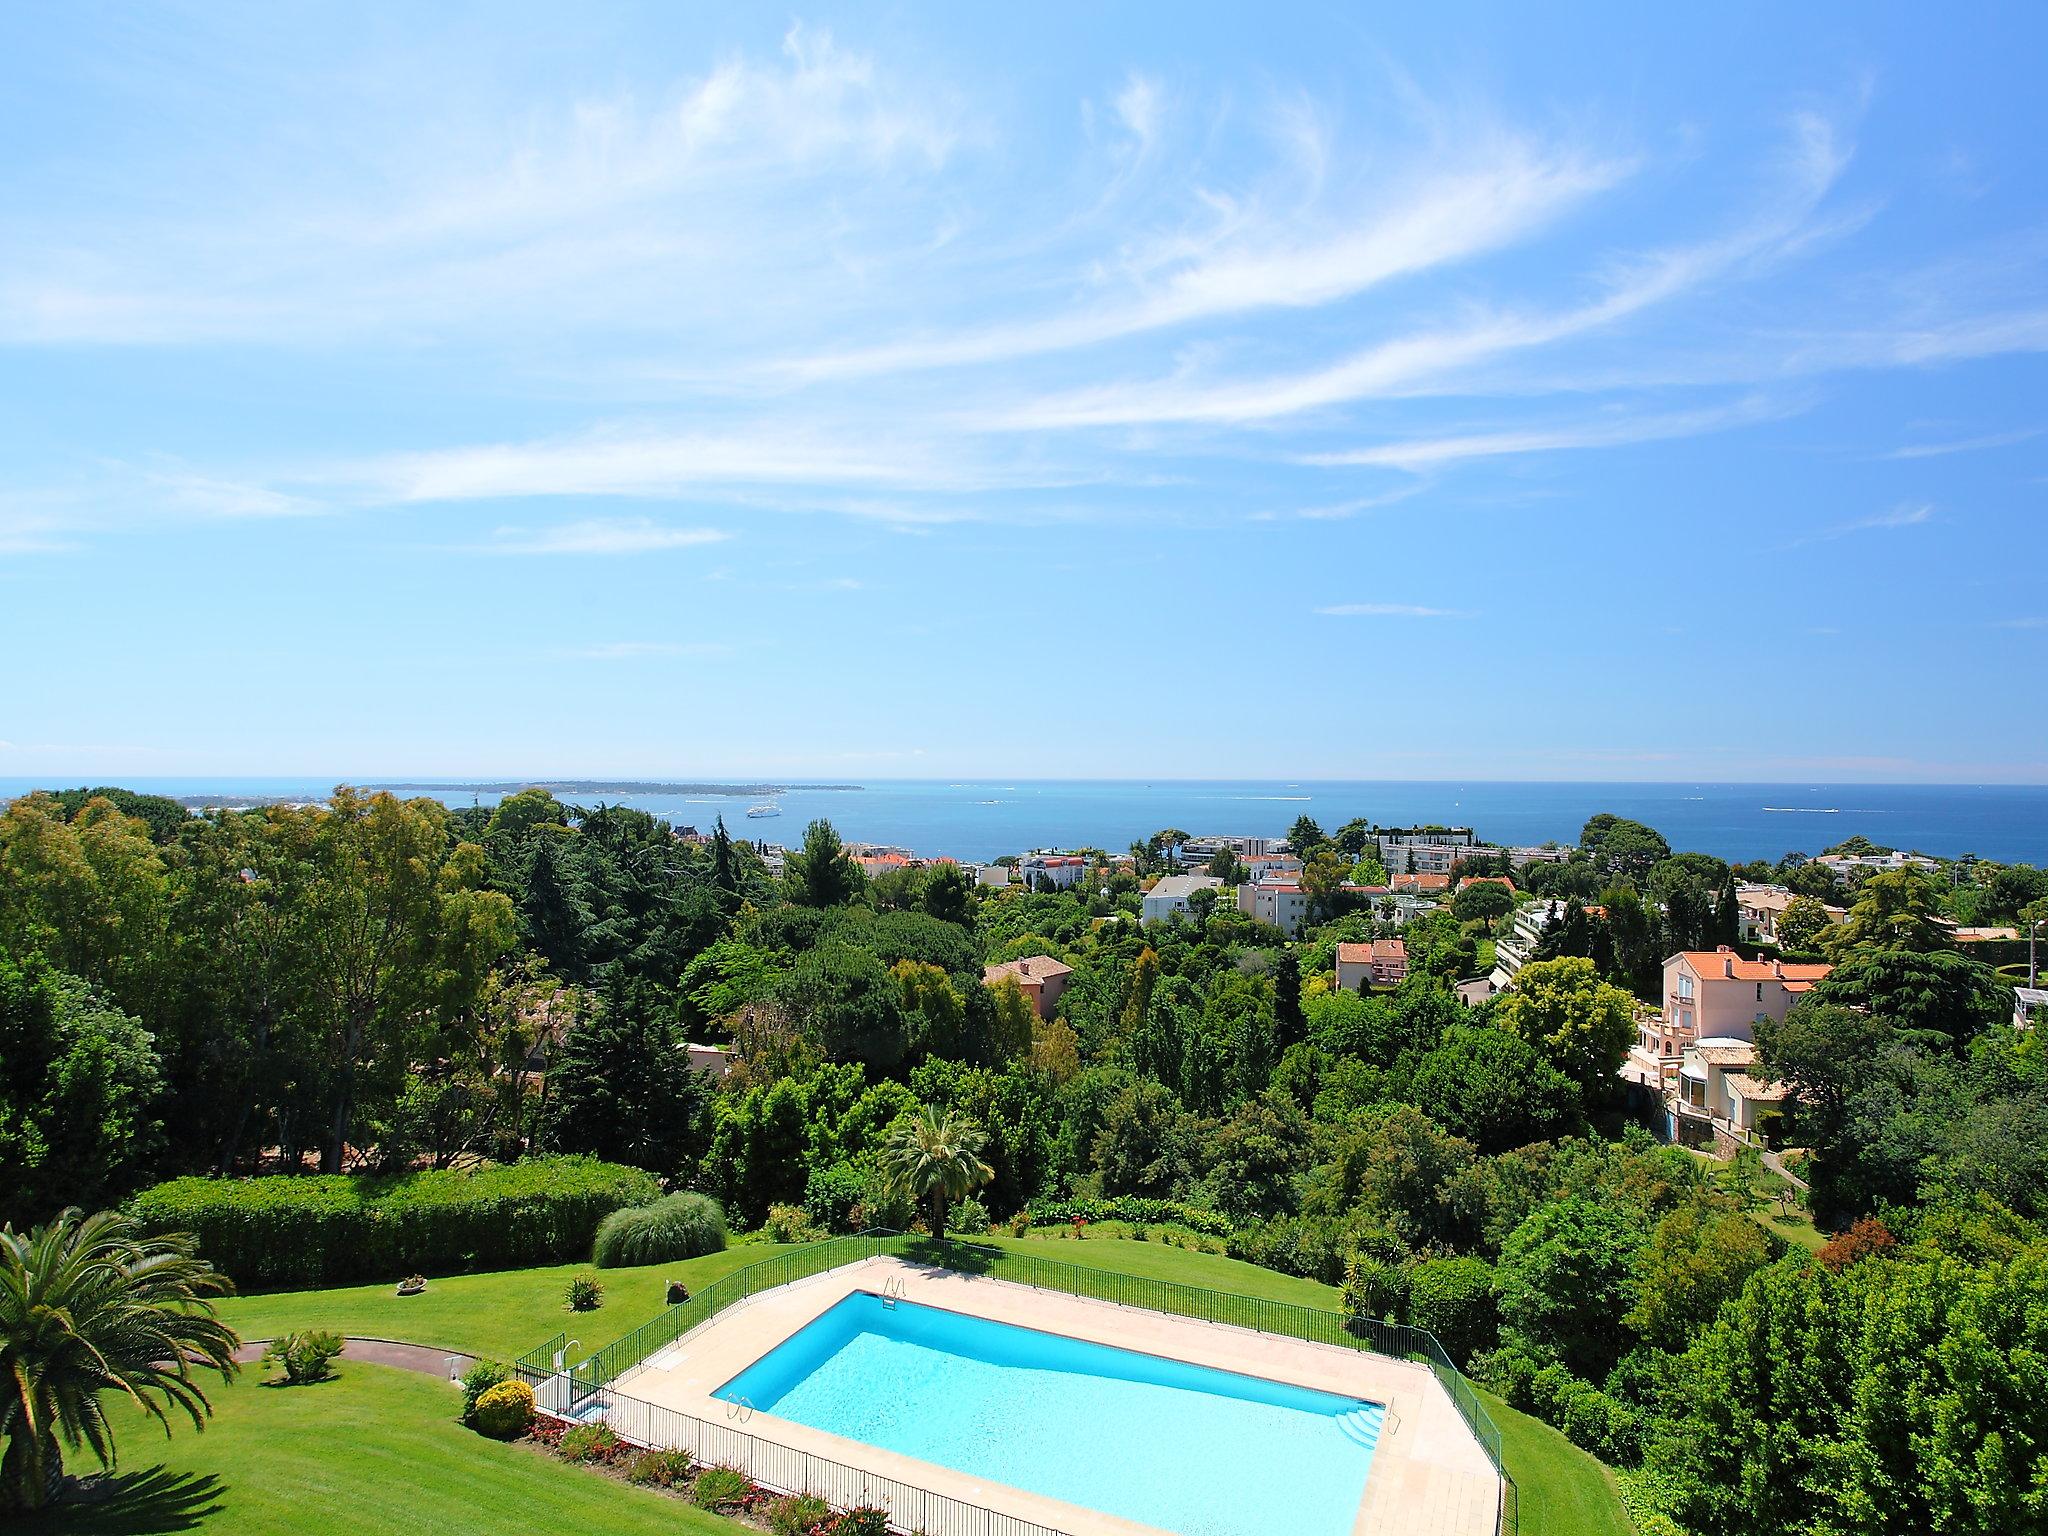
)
(1726, 1055)
(1030, 968)
(1756, 1089)
(1347, 953)
(1715, 965)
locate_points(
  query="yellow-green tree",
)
(1576, 1021)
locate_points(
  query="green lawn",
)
(373, 1451)
(276, 1444)
(503, 1314)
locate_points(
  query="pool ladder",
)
(741, 1408)
(893, 1291)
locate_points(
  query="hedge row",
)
(307, 1230)
(1138, 1208)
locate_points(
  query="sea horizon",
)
(986, 816)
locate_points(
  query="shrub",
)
(1868, 1239)
(1137, 1208)
(304, 1356)
(831, 1194)
(478, 1380)
(659, 1469)
(796, 1515)
(863, 1521)
(298, 1229)
(721, 1488)
(678, 1227)
(968, 1218)
(1453, 1299)
(503, 1412)
(583, 1293)
(1593, 1421)
(591, 1442)
(790, 1224)
(1374, 1287)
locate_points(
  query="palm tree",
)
(88, 1304)
(935, 1159)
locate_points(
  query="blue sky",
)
(1584, 392)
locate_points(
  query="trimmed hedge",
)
(320, 1230)
(1137, 1208)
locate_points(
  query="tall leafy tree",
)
(933, 1158)
(822, 873)
(79, 1090)
(623, 1089)
(1576, 1022)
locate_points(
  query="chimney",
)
(1727, 964)
(1778, 969)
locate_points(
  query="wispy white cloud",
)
(1963, 445)
(600, 536)
(1254, 260)
(1419, 454)
(1389, 611)
(1419, 358)
(1909, 514)
(2030, 622)
(205, 496)
(600, 209)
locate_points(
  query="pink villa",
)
(1039, 977)
(1718, 995)
(1383, 963)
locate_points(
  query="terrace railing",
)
(1315, 1325)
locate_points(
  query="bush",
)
(659, 1469)
(591, 1442)
(304, 1356)
(721, 1488)
(1374, 1288)
(299, 1229)
(678, 1227)
(1137, 1208)
(790, 1224)
(1453, 1299)
(1593, 1421)
(478, 1380)
(583, 1293)
(968, 1218)
(863, 1521)
(503, 1412)
(1295, 1245)
(796, 1515)
(831, 1194)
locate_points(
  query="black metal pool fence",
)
(571, 1390)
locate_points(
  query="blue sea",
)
(983, 818)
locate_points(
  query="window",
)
(1759, 991)
(1685, 989)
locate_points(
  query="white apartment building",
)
(1171, 895)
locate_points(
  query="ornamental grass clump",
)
(680, 1226)
(660, 1469)
(722, 1488)
(583, 1293)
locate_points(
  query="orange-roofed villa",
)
(1039, 977)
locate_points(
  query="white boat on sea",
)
(765, 808)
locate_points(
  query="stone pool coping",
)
(1429, 1477)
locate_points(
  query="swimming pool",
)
(1182, 1447)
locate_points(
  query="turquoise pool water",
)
(1183, 1447)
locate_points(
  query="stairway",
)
(1361, 1426)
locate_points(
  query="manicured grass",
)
(502, 1314)
(1564, 1492)
(1797, 1229)
(374, 1451)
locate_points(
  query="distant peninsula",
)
(567, 788)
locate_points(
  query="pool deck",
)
(1429, 1476)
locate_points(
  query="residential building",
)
(1423, 850)
(1039, 977)
(1844, 864)
(1281, 904)
(1517, 947)
(1422, 884)
(1718, 995)
(2029, 1007)
(1170, 896)
(1718, 1083)
(714, 1061)
(1203, 849)
(1381, 963)
(1277, 866)
(991, 874)
(1055, 871)
(1760, 907)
